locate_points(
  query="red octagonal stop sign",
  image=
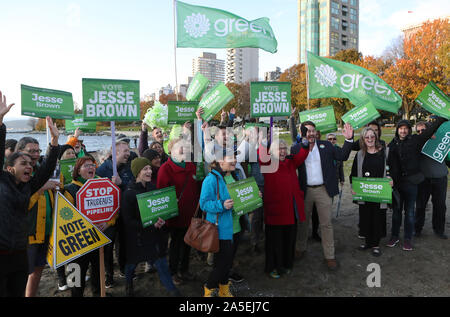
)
(98, 199)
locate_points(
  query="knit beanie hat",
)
(63, 148)
(138, 164)
(150, 154)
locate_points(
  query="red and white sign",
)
(98, 199)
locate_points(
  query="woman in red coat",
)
(181, 174)
(283, 205)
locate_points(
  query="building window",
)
(353, 15)
(334, 7)
(335, 23)
(352, 2)
(334, 38)
(352, 28)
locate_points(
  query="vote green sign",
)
(270, 99)
(322, 117)
(160, 203)
(67, 169)
(181, 111)
(360, 116)
(434, 100)
(377, 190)
(78, 122)
(245, 194)
(42, 102)
(215, 100)
(196, 88)
(110, 100)
(439, 147)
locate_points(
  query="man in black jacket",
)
(318, 180)
(404, 164)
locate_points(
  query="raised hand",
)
(347, 131)
(199, 113)
(4, 109)
(54, 133)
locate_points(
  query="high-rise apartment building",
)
(272, 76)
(209, 66)
(327, 26)
(242, 65)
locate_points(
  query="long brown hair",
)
(362, 143)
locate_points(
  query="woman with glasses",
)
(17, 185)
(370, 161)
(84, 170)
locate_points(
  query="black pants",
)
(371, 221)
(111, 233)
(84, 261)
(223, 261)
(120, 244)
(179, 251)
(280, 247)
(13, 274)
(437, 189)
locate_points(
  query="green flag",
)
(360, 116)
(434, 100)
(439, 147)
(215, 100)
(330, 78)
(199, 26)
(322, 117)
(196, 88)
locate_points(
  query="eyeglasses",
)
(332, 139)
(420, 130)
(33, 151)
(88, 165)
(369, 137)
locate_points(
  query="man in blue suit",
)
(318, 180)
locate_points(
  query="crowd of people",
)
(300, 190)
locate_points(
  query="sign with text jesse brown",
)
(98, 199)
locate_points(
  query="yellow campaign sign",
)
(73, 235)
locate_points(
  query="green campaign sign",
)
(199, 26)
(215, 100)
(42, 102)
(196, 88)
(360, 116)
(270, 99)
(160, 203)
(434, 100)
(110, 100)
(331, 78)
(78, 122)
(67, 169)
(377, 190)
(322, 117)
(245, 194)
(439, 147)
(181, 111)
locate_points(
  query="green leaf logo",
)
(66, 213)
(196, 25)
(325, 75)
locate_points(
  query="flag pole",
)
(307, 78)
(175, 44)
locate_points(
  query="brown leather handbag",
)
(203, 235)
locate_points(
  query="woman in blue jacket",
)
(215, 201)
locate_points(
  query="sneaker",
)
(361, 237)
(109, 283)
(62, 287)
(407, 246)
(376, 251)
(235, 277)
(210, 259)
(274, 274)
(393, 242)
(186, 276)
(149, 268)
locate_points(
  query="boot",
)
(129, 289)
(224, 290)
(208, 292)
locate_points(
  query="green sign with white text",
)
(181, 111)
(78, 122)
(322, 117)
(270, 99)
(215, 100)
(439, 147)
(377, 190)
(360, 116)
(160, 203)
(196, 88)
(42, 102)
(67, 169)
(111, 100)
(434, 100)
(245, 194)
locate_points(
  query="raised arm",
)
(4, 109)
(143, 139)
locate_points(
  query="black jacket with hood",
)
(404, 155)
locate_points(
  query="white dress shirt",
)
(313, 166)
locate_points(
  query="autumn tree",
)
(145, 105)
(164, 99)
(423, 61)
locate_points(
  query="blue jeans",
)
(163, 271)
(408, 195)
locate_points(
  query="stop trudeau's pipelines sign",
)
(98, 199)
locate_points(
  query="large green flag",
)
(331, 78)
(205, 27)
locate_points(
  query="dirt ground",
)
(423, 272)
